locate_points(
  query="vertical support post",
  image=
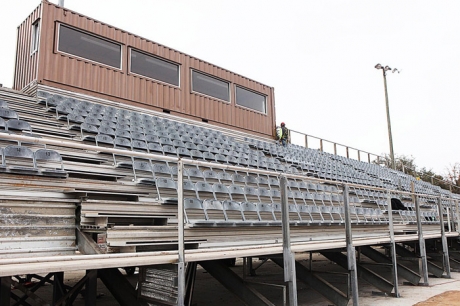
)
(452, 216)
(393, 246)
(351, 256)
(369, 158)
(421, 240)
(335, 148)
(359, 155)
(321, 144)
(58, 286)
(91, 288)
(5, 290)
(445, 247)
(180, 227)
(457, 214)
(288, 256)
(348, 153)
(306, 141)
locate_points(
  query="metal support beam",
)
(85, 244)
(421, 240)
(288, 256)
(119, 286)
(58, 286)
(403, 271)
(91, 288)
(180, 222)
(234, 283)
(190, 276)
(317, 283)
(351, 256)
(445, 247)
(394, 263)
(366, 274)
(432, 268)
(5, 290)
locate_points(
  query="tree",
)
(404, 163)
(407, 165)
(453, 175)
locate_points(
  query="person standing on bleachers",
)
(284, 134)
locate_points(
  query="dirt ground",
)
(449, 298)
(209, 292)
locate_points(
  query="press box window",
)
(251, 99)
(210, 86)
(155, 68)
(35, 36)
(89, 46)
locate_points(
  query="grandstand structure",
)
(105, 168)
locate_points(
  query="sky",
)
(319, 55)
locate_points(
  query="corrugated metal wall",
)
(26, 63)
(72, 73)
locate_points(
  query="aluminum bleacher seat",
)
(88, 131)
(189, 189)
(204, 190)
(233, 213)
(169, 150)
(251, 214)
(19, 159)
(210, 176)
(221, 192)
(138, 136)
(166, 190)
(152, 138)
(139, 145)
(18, 125)
(214, 212)
(195, 154)
(163, 170)
(143, 172)
(208, 156)
(251, 194)
(62, 110)
(190, 145)
(106, 130)
(122, 144)
(183, 152)
(53, 162)
(8, 114)
(104, 140)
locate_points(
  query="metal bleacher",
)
(128, 203)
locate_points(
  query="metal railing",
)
(335, 148)
(450, 210)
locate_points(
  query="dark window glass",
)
(88, 46)
(251, 100)
(210, 86)
(154, 68)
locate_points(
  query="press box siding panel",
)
(69, 72)
(27, 62)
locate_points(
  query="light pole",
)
(384, 70)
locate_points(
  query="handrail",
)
(369, 154)
(76, 145)
(347, 148)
